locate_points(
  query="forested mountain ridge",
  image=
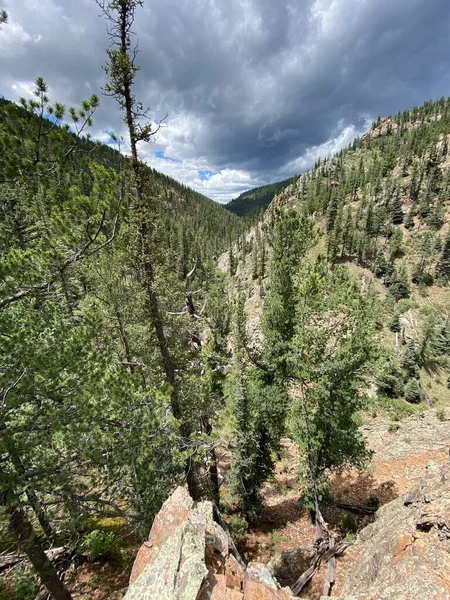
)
(381, 208)
(344, 298)
(256, 200)
(195, 224)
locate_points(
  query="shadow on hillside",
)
(277, 516)
(361, 488)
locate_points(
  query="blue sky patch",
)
(206, 174)
(160, 154)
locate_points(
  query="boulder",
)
(189, 556)
(406, 551)
(173, 512)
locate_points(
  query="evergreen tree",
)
(409, 221)
(121, 70)
(395, 244)
(398, 283)
(331, 349)
(292, 237)
(443, 265)
(413, 391)
(394, 325)
(258, 411)
(397, 210)
(379, 265)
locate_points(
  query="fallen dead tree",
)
(326, 550)
(54, 554)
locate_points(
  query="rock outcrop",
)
(406, 551)
(404, 554)
(190, 556)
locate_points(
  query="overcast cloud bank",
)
(255, 90)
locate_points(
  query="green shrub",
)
(102, 545)
(413, 391)
(347, 524)
(238, 526)
(21, 584)
(405, 304)
(373, 501)
(389, 379)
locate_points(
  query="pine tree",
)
(379, 265)
(398, 283)
(413, 391)
(443, 265)
(348, 233)
(292, 237)
(395, 244)
(255, 406)
(121, 70)
(394, 325)
(409, 221)
(397, 210)
(328, 373)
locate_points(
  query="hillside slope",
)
(382, 208)
(256, 200)
(195, 226)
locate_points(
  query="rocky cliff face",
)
(405, 553)
(190, 556)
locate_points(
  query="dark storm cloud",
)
(255, 89)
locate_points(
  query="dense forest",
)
(255, 201)
(126, 354)
(380, 209)
(113, 318)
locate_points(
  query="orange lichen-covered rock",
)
(406, 551)
(173, 512)
(189, 556)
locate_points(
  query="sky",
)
(254, 90)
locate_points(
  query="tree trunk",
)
(29, 543)
(128, 103)
(124, 340)
(32, 497)
(213, 471)
(319, 522)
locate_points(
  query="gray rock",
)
(179, 570)
(406, 552)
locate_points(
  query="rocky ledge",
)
(190, 556)
(404, 554)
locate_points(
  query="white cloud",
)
(15, 40)
(344, 136)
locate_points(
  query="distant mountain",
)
(196, 228)
(257, 199)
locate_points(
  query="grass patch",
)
(395, 409)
